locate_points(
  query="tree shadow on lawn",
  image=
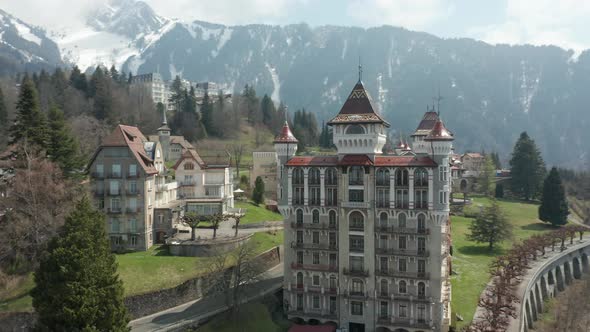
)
(480, 250)
(538, 226)
(162, 251)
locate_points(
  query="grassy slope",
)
(471, 260)
(252, 317)
(257, 213)
(147, 271)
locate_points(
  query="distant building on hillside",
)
(155, 85)
(264, 164)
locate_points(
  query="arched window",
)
(401, 220)
(314, 176)
(356, 221)
(331, 178)
(384, 289)
(383, 220)
(332, 218)
(299, 217)
(189, 166)
(315, 216)
(299, 280)
(402, 287)
(355, 176)
(401, 177)
(421, 223)
(357, 287)
(421, 289)
(355, 129)
(383, 177)
(298, 176)
(421, 178)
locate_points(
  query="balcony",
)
(403, 230)
(402, 274)
(114, 192)
(356, 272)
(313, 226)
(115, 210)
(115, 175)
(402, 252)
(357, 249)
(187, 183)
(133, 210)
(315, 267)
(404, 322)
(356, 205)
(356, 228)
(356, 295)
(315, 246)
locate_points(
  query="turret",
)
(440, 143)
(164, 135)
(285, 147)
(418, 144)
(358, 129)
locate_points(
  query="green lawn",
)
(471, 260)
(146, 271)
(256, 214)
(252, 317)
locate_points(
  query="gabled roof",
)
(363, 160)
(439, 133)
(427, 123)
(190, 154)
(131, 137)
(286, 136)
(358, 108)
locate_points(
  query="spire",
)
(164, 120)
(286, 136)
(360, 70)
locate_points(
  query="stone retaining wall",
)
(260, 225)
(207, 247)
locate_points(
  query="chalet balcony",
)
(356, 272)
(315, 267)
(295, 225)
(402, 252)
(314, 246)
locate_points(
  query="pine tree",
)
(114, 73)
(496, 160)
(207, 115)
(553, 208)
(485, 181)
(3, 112)
(267, 107)
(60, 84)
(62, 147)
(527, 168)
(77, 287)
(78, 80)
(490, 226)
(258, 192)
(499, 191)
(30, 122)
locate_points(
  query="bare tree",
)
(217, 219)
(192, 220)
(237, 219)
(237, 152)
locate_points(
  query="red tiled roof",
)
(362, 160)
(286, 136)
(358, 108)
(427, 123)
(439, 133)
(128, 136)
(189, 154)
(312, 328)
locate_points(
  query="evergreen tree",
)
(60, 84)
(527, 168)
(77, 287)
(553, 208)
(177, 93)
(267, 107)
(3, 112)
(253, 112)
(114, 73)
(207, 115)
(100, 90)
(258, 192)
(78, 80)
(62, 147)
(496, 160)
(499, 191)
(485, 181)
(490, 226)
(30, 122)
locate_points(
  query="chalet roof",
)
(426, 124)
(363, 160)
(473, 155)
(286, 136)
(131, 137)
(190, 154)
(358, 108)
(439, 133)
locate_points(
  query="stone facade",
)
(366, 234)
(264, 164)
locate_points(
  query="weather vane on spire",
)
(360, 70)
(437, 99)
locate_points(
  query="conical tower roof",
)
(358, 108)
(286, 136)
(439, 132)
(427, 123)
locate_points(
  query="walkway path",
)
(225, 230)
(192, 312)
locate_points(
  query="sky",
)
(539, 22)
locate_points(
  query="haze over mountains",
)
(491, 93)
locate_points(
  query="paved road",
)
(191, 312)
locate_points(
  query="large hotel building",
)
(367, 234)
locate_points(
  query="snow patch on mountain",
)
(26, 33)
(225, 36)
(276, 92)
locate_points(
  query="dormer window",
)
(355, 129)
(189, 166)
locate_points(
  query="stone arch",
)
(529, 318)
(356, 220)
(538, 299)
(315, 216)
(577, 268)
(332, 218)
(402, 220)
(533, 304)
(559, 279)
(568, 273)
(383, 217)
(544, 292)
(355, 129)
(550, 279)
(585, 266)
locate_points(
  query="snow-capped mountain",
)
(127, 18)
(25, 47)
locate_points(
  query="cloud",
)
(540, 22)
(411, 14)
(50, 13)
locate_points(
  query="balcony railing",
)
(314, 226)
(113, 192)
(315, 267)
(114, 210)
(402, 274)
(356, 228)
(356, 205)
(132, 176)
(357, 249)
(314, 246)
(356, 272)
(403, 230)
(187, 183)
(402, 252)
(356, 295)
